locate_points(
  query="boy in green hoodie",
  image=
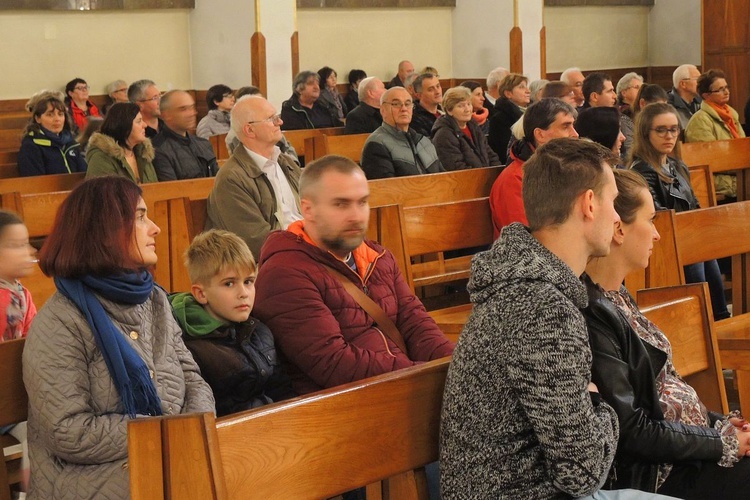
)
(235, 352)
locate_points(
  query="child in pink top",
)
(16, 261)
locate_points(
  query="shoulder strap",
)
(371, 308)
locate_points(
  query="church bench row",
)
(179, 208)
(382, 428)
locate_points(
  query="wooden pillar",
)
(516, 43)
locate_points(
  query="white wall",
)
(674, 33)
(221, 55)
(375, 40)
(277, 18)
(597, 37)
(481, 30)
(47, 49)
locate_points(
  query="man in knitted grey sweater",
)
(521, 418)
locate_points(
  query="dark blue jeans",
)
(709, 272)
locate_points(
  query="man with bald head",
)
(394, 149)
(365, 117)
(180, 155)
(405, 68)
(257, 190)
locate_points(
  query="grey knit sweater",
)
(518, 420)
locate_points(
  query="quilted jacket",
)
(325, 337)
(77, 432)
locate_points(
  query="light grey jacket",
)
(77, 432)
(216, 122)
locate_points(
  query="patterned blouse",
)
(679, 401)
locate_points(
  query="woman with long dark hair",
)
(669, 442)
(105, 348)
(121, 146)
(655, 156)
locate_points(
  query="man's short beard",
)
(342, 245)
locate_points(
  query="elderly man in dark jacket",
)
(180, 155)
(305, 109)
(394, 150)
(365, 117)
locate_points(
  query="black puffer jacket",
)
(624, 369)
(678, 195)
(456, 151)
(296, 116)
(240, 364)
(182, 156)
(506, 114)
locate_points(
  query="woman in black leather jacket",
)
(669, 442)
(657, 131)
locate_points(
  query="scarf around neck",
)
(725, 113)
(128, 371)
(480, 116)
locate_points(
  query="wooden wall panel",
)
(726, 45)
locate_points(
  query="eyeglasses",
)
(695, 78)
(82, 88)
(663, 131)
(271, 119)
(157, 97)
(120, 90)
(399, 104)
(229, 95)
(636, 87)
(720, 90)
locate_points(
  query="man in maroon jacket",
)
(325, 336)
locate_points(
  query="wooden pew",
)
(218, 142)
(40, 184)
(698, 236)
(385, 428)
(13, 409)
(436, 229)
(723, 156)
(297, 137)
(10, 139)
(349, 146)
(702, 181)
(14, 120)
(682, 313)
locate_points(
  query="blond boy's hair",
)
(215, 250)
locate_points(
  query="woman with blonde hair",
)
(459, 141)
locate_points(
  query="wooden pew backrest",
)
(318, 446)
(41, 183)
(682, 313)
(721, 156)
(702, 181)
(13, 408)
(433, 188)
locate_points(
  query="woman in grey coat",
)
(104, 349)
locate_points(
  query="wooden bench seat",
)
(297, 137)
(378, 433)
(10, 139)
(731, 155)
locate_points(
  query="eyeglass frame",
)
(157, 97)
(273, 119)
(82, 89)
(721, 90)
(672, 131)
(408, 104)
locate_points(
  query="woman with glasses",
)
(121, 146)
(220, 100)
(655, 156)
(78, 103)
(117, 91)
(459, 141)
(715, 120)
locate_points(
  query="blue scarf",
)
(128, 371)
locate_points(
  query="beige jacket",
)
(77, 432)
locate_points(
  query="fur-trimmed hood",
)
(110, 147)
